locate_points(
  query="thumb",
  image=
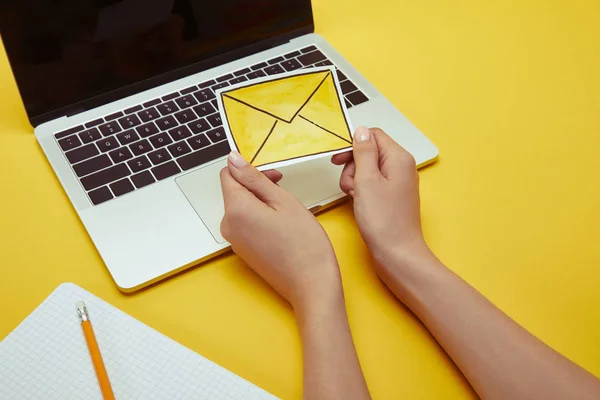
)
(254, 180)
(366, 153)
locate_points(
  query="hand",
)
(277, 236)
(382, 179)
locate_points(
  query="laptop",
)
(122, 98)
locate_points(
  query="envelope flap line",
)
(264, 141)
(326, 130)
(275, 116)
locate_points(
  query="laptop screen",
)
(66, 51)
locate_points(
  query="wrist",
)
(324, 297)
(409, 270)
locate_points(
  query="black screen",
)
(66, 51)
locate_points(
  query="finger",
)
(393, 158)
(253, 180)
(347, 178)
(231, 188)
(366, 154)
(273, 175)
(341, 159)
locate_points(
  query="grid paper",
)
(46, 357)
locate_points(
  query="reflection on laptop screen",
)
(65, 51)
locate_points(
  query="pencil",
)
(92, 344)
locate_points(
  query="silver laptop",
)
(122, 97)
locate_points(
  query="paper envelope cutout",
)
(286, 119)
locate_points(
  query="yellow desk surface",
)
(510, 93)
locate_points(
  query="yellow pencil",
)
(90, 338)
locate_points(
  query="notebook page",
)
(46, 357)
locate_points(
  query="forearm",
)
(499, 358)
(331, 366)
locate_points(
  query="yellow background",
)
(510, 93)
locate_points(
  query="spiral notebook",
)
(46, 357)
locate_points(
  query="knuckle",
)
(253, 177)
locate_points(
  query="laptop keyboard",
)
(149, 142)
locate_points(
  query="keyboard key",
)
(179, 149)
(199, 126)
(119, 155)
(204, 109)
(311, 58)
(215, 104)
(132, 109)
(160, 140)
(325, 63)
(167, 108)
(69, 143)
(82, 153)
(217, 135)
(110, 128)
(148, 114)
(92, 165)
(207, 84)
(107, 144)
(170, 96)
(181, 132)
(239, 79)
(185, 116)
(121, 187)
(186, 101)
(147, 129)
(139, 164)
(90, 135)
(291, 65)
(357, 98)
(95, 122)
(141, 147)
(255, 74)
(203, 156)
(159, 156)
(215, 120)
(242, 72)
(259, 66)
(198, 142)
(142, 179)
(116, 115)
(348, 104)
(224, 78)
(275, 60)
(204, 95)
(274, 69)
(151, 103)
(308, 49)
(129, 121)
(127, 137)
(189, 90)
(340, 75)
(165, 170)
(100, 195)
(105, 176)
(292, 54)
(67, 132)
(166, 123)
(348, 87)
(219, 86)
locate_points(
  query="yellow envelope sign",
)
(282, 120)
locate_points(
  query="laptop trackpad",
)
(313, 182)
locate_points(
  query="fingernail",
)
(351, 192)
(362, 134)
(237, 160)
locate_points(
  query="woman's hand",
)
(278, 237)
(382, 179)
